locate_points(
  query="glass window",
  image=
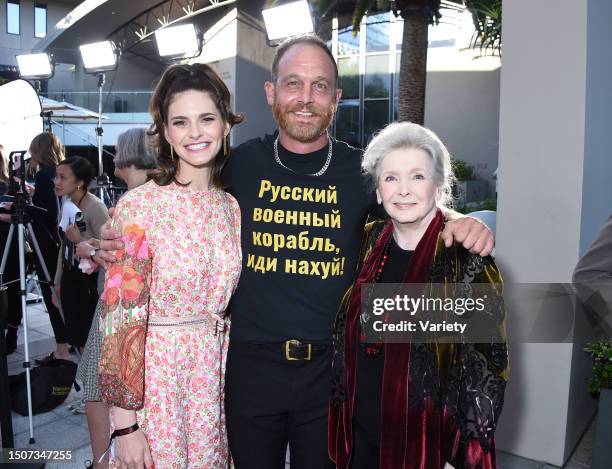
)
(396, 77)
(12, 16)
(377, 33)
(347, 43)
(348, 69)
(40, 20)
(347, 122)
(377, 79)
(397, 32)
(375, 117)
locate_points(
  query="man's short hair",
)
(309, 39)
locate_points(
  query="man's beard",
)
(301, 131)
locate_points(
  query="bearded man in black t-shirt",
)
(304, 204)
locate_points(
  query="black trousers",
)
(271, 402)
(79, 295)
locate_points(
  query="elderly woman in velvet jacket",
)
(414, 405)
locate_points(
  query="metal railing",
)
(112, 101)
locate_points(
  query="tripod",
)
(20, 220)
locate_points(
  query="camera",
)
(79, 221)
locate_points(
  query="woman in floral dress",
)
(164, 336)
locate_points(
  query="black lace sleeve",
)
(483, 366)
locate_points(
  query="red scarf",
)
(397, 357)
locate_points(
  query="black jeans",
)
(271, 402)
(79, 295)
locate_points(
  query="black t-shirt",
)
(300, 239)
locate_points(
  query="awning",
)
(63, 111)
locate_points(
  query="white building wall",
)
(11, 44)
(462, 107)
(555, 193)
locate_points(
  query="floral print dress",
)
(163, 354)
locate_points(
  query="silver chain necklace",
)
(319, 172)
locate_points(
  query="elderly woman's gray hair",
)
(133, 150)
(404, 135)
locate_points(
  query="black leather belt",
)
(294, 349)
(290, 350)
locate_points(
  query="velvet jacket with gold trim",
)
(440, 402)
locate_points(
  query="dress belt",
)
(190, 321)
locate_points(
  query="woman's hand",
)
(109, 243)
(132, 451)
(83, 250)
(29, 189)
(73, 233)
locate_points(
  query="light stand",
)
(102, 180)
(99, 58)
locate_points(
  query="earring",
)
(225, 145)
(171, 151)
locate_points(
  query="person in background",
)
(134, 159)
(46, 152)
(451, 394)
(596, 263)
(593, 278)
(76, 289)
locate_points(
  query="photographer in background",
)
(47, 152)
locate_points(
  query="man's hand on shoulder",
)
(471, 233)
(109, 243)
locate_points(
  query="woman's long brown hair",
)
(176, 79)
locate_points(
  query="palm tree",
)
(487, 18)
(417, 16)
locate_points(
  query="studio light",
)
(35, 66)
(290, 19)
(99, 57)
(178, 42)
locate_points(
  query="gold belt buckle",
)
(296, 343)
